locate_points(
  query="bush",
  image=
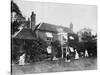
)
(36, 49)
(56, 48)
(15, 50)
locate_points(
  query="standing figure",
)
(22, 59)
(67, 55)
(76, 55)
(86, 53)
(49, 50)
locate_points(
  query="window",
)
(49, 39)
(48, 34)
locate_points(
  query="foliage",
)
(18, 16)
(14, 27)
(35, 49)
(15, 8)
(90, 43)
(91, 46)
(15, 51)
(56, 48)
(73, 43)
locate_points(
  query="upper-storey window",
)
(49, 36)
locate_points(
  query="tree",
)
(14, 27)
(88, 42)
(15, 8)
(56, 48)
(35, 49)
(16, 17)
(16, 20)
(86, 34)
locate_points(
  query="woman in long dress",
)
(22, 59)
(76, 54)
(67, 55)
(86, 53)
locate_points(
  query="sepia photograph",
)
(51, 37)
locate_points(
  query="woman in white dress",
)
(86, 53)
(76, 54)
(22, 59)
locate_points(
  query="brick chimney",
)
(28, 23)
(71, 26)
(33, 20)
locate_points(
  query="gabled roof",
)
(53, 28)
(24, 33)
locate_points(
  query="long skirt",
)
(21, 61)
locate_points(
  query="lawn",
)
(55, 66)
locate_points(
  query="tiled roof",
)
(53, 28)
(25, 33)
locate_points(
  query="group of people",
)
(49, 50)
(68, 52)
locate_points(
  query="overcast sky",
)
(61, 14)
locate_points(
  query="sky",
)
(82, 16)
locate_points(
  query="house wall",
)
(42, 35)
